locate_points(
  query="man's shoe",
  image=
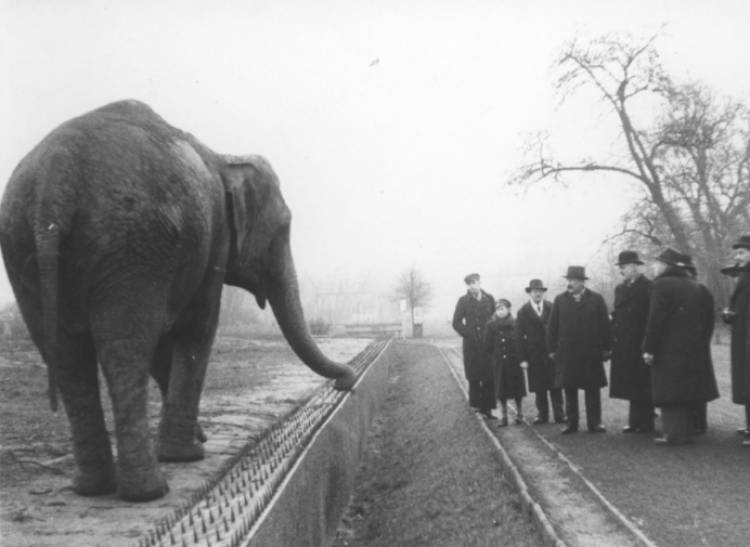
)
(661, 441)
(539, 421)
(743, 431)
(519, 420)
(489, 415)
(745, 444)
(568, 430)
(630, 429)
(561, 420)
(503, 422)
(597, 429)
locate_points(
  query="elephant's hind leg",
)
(125, 362)
(79, 386)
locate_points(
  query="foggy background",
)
(392, 125)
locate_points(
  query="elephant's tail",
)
(48, 246)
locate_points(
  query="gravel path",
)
(697, 494)
(429, 474)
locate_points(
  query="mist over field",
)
(394, 126)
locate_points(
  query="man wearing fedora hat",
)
(677, 346)
(473, 310)
(630, 376)
(738, 316)
(578, 340)
(531, 333)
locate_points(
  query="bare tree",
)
(412, 286)
(691, 161)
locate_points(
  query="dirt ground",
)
(697, 494)
(694, 495)
(251, 384)
(428, 475)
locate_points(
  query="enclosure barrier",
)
(370, 330)
(291, 487)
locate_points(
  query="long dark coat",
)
(740, 304)
(630, 376)
(531, 341)
(578, 333)
(469, 319)
(678, 335)
(500, 343)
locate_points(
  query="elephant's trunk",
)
(283, 294)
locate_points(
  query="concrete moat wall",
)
(309, 504)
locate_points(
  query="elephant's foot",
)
(98, 483)
(147, 489)
(179, 452)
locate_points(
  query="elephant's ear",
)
(255, 209)
(238, 215)
(246, 181)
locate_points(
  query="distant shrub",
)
(319, 326)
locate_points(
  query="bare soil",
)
(698, 494)
(423, 480)
(428, 475)
(251, 384)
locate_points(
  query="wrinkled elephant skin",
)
(118, 232)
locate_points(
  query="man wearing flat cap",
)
(630, 376)
(677, 346)
(738, 316)
(579, 342)
(473, 311)
(531, 340)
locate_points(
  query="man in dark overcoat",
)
(707, 322)
(473, 310)
(531, 339)
(738, 316)
(578, 340)
(630, 376)
(677, 346)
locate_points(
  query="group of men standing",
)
(658, 338)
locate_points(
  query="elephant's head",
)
(260, 258)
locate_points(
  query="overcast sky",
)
(393, 125)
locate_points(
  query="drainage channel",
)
(566, 507)
(225, 511)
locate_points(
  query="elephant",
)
(118, 232)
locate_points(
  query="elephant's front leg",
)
(179, 431)
(161, 368)
(125, 362)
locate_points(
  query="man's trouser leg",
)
(488, 399)
(558, 404)
(542, 405)
(593, 407)
(700, 417)
(641, 414)
(475, 394)
(571, 408)
(677, 422)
